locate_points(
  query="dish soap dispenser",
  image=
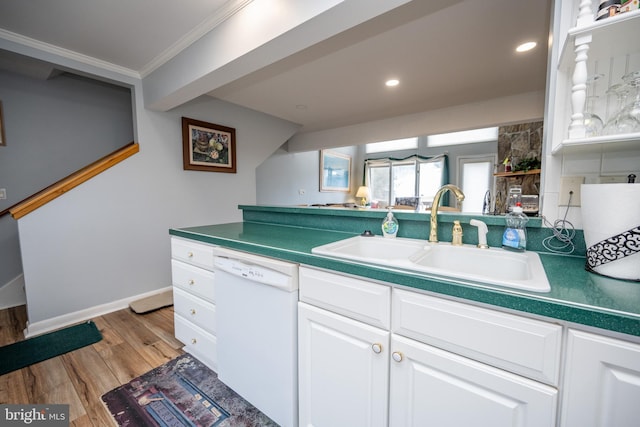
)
(390, 225)
(515, 233)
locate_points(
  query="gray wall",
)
(53, 128)
(110, 240)
(281, 177)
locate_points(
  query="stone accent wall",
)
(518, 142)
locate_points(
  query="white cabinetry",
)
(354, 372)
(343, 363)
(434, 380)
(430, 386)
(194, 298)
(585, 48)
(524, 346)
(343, 370)
(602, 383)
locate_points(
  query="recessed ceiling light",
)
(524, 47)
(392, 82)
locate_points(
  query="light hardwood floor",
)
(132, 344)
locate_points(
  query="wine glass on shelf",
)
(630, 115)
(593, 124)
(614, 125)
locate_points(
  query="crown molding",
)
(229, 9)
(66, 53)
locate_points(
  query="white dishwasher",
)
(257, 331)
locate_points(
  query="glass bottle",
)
(515, 232)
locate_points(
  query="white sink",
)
(372, 249)
(496, 266)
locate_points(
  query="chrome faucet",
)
(433, 234)
(486, 203)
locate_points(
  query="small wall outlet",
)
(570, 190)
(3, 193)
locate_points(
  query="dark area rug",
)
(182, 392)
(37, 349)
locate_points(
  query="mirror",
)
(520, 143)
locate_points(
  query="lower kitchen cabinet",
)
(430, 386)
(194, 299)
(602, 382)
(353, 373)
(343, 370)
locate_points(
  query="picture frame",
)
(335, 171)
(208, 147)
(3, 139)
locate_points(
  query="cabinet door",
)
(432, 387)
(602, 382)
(343, 370)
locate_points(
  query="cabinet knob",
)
(193, 311)
(376, 347)
(193, 341)
(192, 282)
(397, 356)
(190, 254)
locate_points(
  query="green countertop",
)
(576, 295)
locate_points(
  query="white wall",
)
(53, 128)
(107, 240)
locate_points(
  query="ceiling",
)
(459, 54)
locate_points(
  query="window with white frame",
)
(390, 179)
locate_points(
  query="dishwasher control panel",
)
(255, 273)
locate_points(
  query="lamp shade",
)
(363, 192)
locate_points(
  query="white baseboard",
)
(69, 319)
(12, 293)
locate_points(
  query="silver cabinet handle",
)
(194, 341)
(377, 348)
(397, 356)
(190, 255)
(192, 282)
(193, 311)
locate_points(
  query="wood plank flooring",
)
(132, 344)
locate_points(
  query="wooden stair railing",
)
(57, 189)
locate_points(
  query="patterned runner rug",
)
(182, 392)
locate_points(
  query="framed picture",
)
(3, 141)
(208, 147)
(335, 171)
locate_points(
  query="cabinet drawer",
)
(197, 341)
(195, 310)
(358, 299)
(193, 279)
(193, 253)
(525, 346)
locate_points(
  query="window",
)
(393, 145)
(463, 137)
(475, 175)
(389, 179)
